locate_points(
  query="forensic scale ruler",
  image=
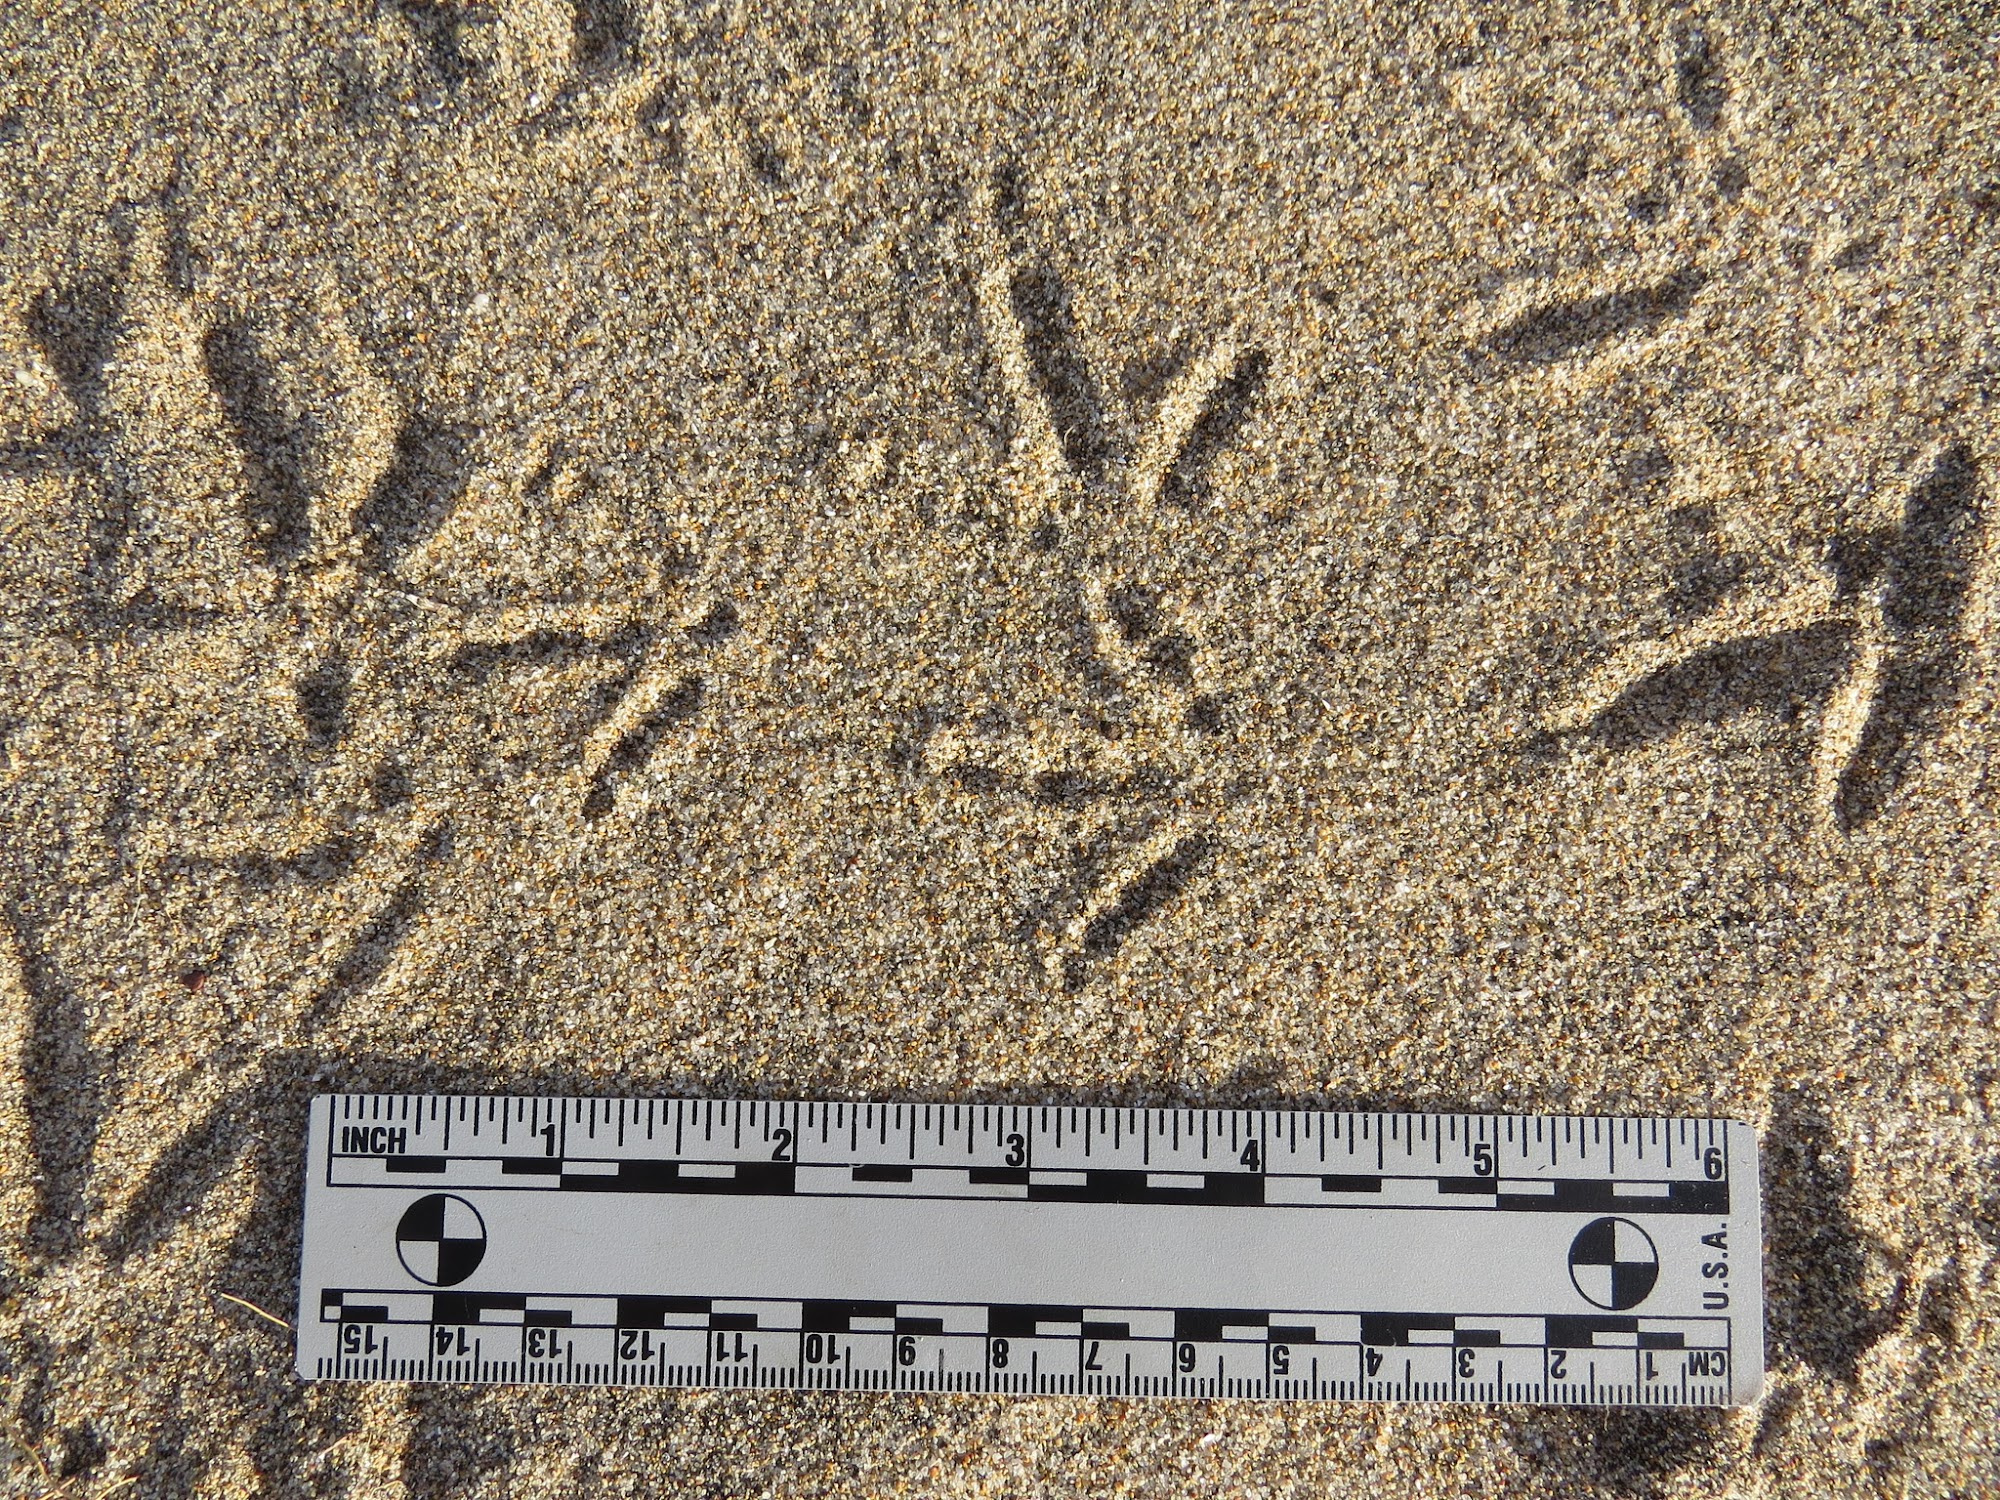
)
(1032, 1249)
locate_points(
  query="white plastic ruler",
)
(1031, 1248)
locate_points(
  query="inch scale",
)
(1032, 1249)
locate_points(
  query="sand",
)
(1341, 557)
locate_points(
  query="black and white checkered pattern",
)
(1612, 1262)
(441, 1239)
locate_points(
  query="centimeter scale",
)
(1032, 1249)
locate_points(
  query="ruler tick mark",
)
(369, 1324)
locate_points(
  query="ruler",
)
(1281, 1254)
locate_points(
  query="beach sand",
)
(1334, 557)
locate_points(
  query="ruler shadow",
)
(1618, 1451)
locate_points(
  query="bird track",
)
(1092, 521)
(1891, 620)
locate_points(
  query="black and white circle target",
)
(1612, 1262)
(441, 1239)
